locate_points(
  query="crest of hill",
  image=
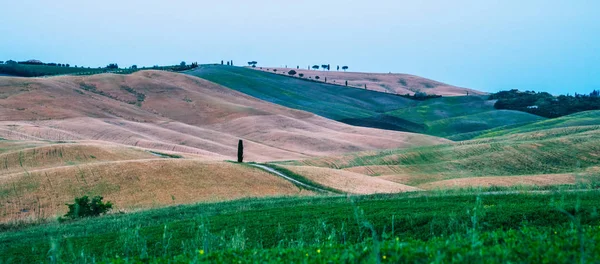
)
(176, 112)
(395, 83)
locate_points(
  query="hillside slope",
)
(395, 83)
(360, 107)
(175, 112)
(38, 178)
(559, 155)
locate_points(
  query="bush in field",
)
(301, 75)
(317, 77)
(84, 207)
(292, 72)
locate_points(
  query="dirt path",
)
(292, 180)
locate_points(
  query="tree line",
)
(545, 104)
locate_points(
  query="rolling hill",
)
(155, 138)
(453, 117)
(548, 155)
(176, 112)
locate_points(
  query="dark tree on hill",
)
(346, 83)
(328, 67)
(324, 66)
(344, 68)
(227, 63)
(68, 65)
(112, 66)
(221, 62)
(338, 67)
(182, 63)
(292, 72)
(134, 67)
(1, 62)
(325, 79)
(365, 86)
(231, 62)
(240, 152)
(297, 67)
(317, 77)
(316, 67)
(301, 75)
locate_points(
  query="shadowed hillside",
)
(459, 117)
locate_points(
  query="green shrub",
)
(84, 207)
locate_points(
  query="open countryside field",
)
(157, 145)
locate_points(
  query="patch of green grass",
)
(300, 224)
(166, 155)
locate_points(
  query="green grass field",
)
(403, 228)
(445, 116)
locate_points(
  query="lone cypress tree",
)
(240, 151)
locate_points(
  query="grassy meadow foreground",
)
(554, 227)
(364, 175)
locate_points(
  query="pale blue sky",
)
(482, 44)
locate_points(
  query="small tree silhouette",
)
(292, 72)
(301, 75)
(344, 68)
(346, 83)
(240, 152)
(315, 67)
(317, 77)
